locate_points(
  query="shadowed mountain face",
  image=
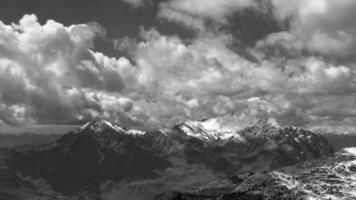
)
(13, 187)
(89, 157)
(10, 185)
(183, 157)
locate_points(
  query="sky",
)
(153, 63)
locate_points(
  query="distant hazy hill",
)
(340, 141)
(11, 140)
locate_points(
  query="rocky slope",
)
(264, 145)
(332, 178)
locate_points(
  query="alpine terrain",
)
(217, 158)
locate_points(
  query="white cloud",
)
(137, 3)
(196, 13)
(320, 26)
(217, 10)
(41, 66)
(176, 16)
(206, 78)
(59, 78)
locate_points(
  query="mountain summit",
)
(99, 125)
(226, 127)
(102, 126)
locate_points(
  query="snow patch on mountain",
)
(209, 130)
(225, 127)
(350, 151)
(101, 125)
(135, 132)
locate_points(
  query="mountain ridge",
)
(102, 151)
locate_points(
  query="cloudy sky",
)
(151, 63)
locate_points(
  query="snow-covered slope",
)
(264, 134)
(209, 130)
(331, 178)
(102, 125)
(226, 127)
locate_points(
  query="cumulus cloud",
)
(197, 14)
(206, 78)
(50, 74)
(326, 27)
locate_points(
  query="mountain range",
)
(206, 159)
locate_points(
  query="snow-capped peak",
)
(273, 122)
(135, 132)
(226, 127)
(209, 130)
(100, 125)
